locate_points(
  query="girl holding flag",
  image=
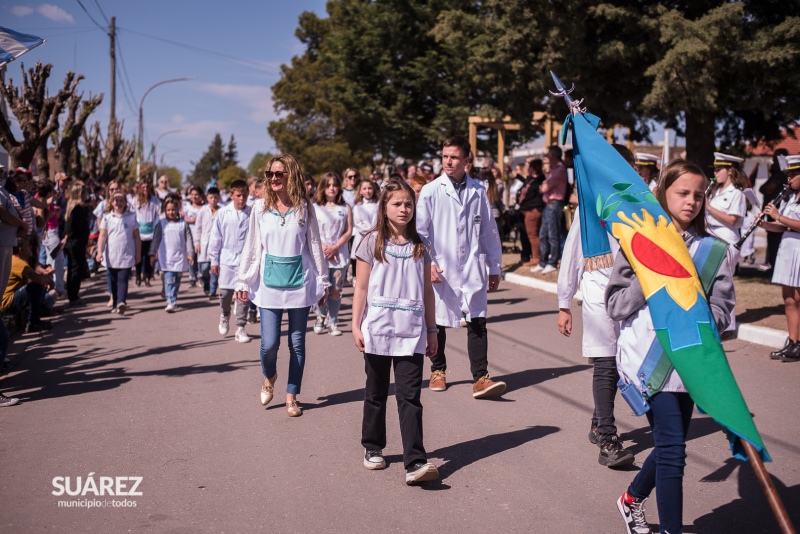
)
(682, 195)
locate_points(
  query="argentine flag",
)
(14, 44)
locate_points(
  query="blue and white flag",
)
(14, 44)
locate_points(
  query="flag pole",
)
(774, 499)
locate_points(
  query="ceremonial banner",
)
(14, 44)
(613, 197)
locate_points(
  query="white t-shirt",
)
(120, 250)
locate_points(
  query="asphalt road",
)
(166, 398)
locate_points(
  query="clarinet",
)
(783, 197)
(710, 185)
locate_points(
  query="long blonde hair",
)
(75, 197)
(295, 186)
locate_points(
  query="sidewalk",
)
(769, 337)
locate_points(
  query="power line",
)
(199, 49)
(105, 30)
(101, 12)
(129, 97)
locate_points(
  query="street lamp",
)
(155, 150)
(141, 118)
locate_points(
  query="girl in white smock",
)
(787, 264)
(172, 241)
(121, 247)
(148, 211)
(365, 215)
(394, 322)
(282, 267)
(335, 228)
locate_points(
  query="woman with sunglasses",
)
(283, 268)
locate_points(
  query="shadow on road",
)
(505, 317)
(531, 377)
(463, 454)
(751, 511)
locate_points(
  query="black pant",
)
(477, 348)
(119, 285)
(524, 242)
(76, 268)
(604, 390)
(408, 384)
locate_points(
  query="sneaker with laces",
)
(594, 437)
(8, 401)
(632, 511)
(171, 307)
(549, 269)
(333, 329)
(438, 381)
(223, 324)
(122, 308)
(486, 387)
(373, 459)
(537, 269)
(613, 454)
(241, 336)
(420, 472)
(319, 326)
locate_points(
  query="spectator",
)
(26, 288)
(163, 188)
(77, 239)
(531, 205)
(553, 190)
(418, 181)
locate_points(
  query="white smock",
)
(226, 243)
(147, 215)
(463, 241)
(120, 250)
(787, 263)
(332, 225)
(282, 236)
(365, 215)
(172, 246)
(394, 320)
(202, 231)
(600, 332)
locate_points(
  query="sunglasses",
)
(350, 176)
(277, 174)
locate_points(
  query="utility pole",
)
(112, 33)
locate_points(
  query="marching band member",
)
(647, 167)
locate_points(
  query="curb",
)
(761, 335)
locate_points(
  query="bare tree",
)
(38, 115)
(67, 149)
(107, 159)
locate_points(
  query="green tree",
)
(211, 162)
(173, 174)
(258, 163)
(231, 154)
(230, 174)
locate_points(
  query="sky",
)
(232, 50)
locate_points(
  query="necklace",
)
(283, 215)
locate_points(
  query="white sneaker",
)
(319, 326)
(536, 269)
(170, 308)
(334, 329)
(241, 336)
(223, 325)
(549, 269)
(122, 308)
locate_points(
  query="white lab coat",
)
(202, 228)
(463, 241)
(226, 242)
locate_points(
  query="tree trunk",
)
(42, 164)
(700, 139)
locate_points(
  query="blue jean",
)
(172, 283)
(271, 342)
(193, 267)
(210, 280)
(550, 234)
(332, 305)
(118, 284)
(669, 417)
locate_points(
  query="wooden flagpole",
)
(774, 499)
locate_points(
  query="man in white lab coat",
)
(454, 218)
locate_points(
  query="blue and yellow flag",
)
(625, 207)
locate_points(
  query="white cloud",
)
(21, 11)
(55, 13)
(257, 98)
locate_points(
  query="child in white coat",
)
(174, 248)
(394, 323)
(203, 224)
(225, 245)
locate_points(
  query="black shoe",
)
(373, 459)
(421, 472)
(138, 282)
(777, 354)
(793, 354)
(594, 437)
(612, 454)
(38, 326)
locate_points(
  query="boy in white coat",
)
(454, 218)
(225, 245)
